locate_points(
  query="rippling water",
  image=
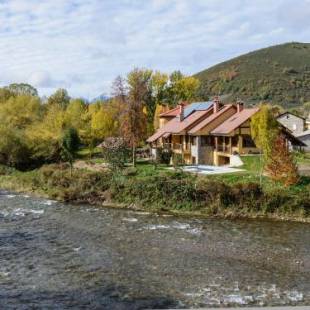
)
(60, 256)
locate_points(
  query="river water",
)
(58, 256)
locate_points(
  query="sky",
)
(82, 45)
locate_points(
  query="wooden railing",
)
(177, 146)
(223, 148)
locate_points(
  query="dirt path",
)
(81, 164)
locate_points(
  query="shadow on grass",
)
(304, 180)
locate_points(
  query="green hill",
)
(278, 74)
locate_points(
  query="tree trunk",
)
(261, 169)
(134, 156)
(71, 168)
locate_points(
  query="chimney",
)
(216, 104)
(239, 106)
(181, 111)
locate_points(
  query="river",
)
(57, 256)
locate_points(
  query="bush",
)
(82, 185)
(163, 155)
(177, 160)
(115, 152)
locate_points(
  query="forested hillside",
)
(278, 74)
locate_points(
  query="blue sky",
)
(83, 45)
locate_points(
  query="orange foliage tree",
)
(281, 165)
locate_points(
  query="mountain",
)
(278, 74)
(102, 97)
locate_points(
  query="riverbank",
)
(174, 192)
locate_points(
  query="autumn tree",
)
(105, 121)
(44, 135)
(133, 123)
(281, 165)
(181, 88)
(158, 111)
(119, 89)
(60, 98)
(17, 113)
(76, 117)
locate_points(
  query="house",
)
(293, 122)
(305, 138)
(206, 132)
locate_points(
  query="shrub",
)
(177, 160)
(163, 155)
(115, 152)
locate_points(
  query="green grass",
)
(85, 152)
(302, 158)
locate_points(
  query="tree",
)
(115, 152)
(22, 89)
(76, 116)
(181, 88)
(133, 124)
(306, 108)
(281, 165)
(45, 134)
(5, 94)
(69, 145)
(20, 111)
(158, 111)
(157, 93)
(264, 130)
(105, 122)
(60, 98)
(119, 89)
(14, 150)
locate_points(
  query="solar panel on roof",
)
(197, 106)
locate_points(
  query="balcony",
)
(178, 147)
(224, 148)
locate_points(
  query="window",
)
(193, 140)
(248, 141)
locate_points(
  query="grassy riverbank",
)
(234, 195)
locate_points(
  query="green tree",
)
(264, 130)
(306, 108)
(69, 145)
(22, 89)
(60, 98)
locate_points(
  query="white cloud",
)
(84, 44)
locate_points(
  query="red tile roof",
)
(209, 119)
(169, 113)
(234, 122)
(176, 126)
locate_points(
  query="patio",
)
(208, 170)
